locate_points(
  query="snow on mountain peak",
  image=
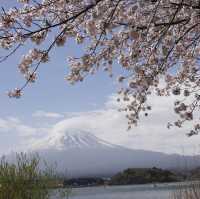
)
(77, 139)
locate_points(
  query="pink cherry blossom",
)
(151, 40)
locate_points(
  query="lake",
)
(160, 191)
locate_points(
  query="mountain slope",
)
(82, 154)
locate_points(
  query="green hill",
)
(143, 176)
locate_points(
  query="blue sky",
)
(52, 106)
(51, 92)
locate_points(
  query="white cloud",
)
(15, 126)
(109, 124)
(15, 135)
(44, 114)
(150, 134)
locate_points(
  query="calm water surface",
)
(160, 191)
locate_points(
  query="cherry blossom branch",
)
(152, 41)
(4, 58)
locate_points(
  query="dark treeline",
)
(136, 176)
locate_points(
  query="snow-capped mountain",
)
(80, 153)
(76, 139)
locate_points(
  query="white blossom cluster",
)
(150, 39)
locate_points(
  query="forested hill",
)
(143, 176)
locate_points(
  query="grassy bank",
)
(24, 179)
(188, 191)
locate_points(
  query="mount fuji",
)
(80, 153)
